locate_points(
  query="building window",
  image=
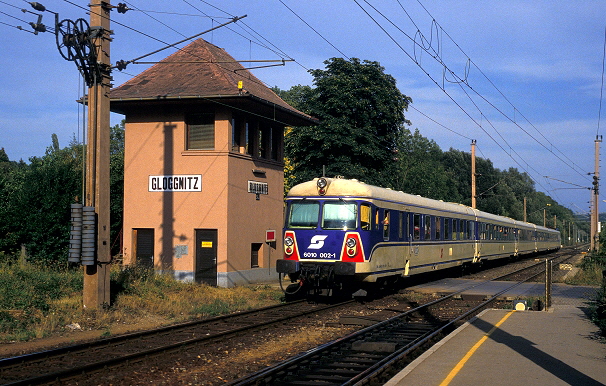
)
(254, 254)
(235, 135)
(247, 145)
(262, 139)
(274, 141)
(201, 131)
(143, 246)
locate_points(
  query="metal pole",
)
(473, 173)
(548, 268)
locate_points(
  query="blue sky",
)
(522, 78)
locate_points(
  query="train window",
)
(455, 228)
(438, 228)
(386, 224)
(427, 226)
(416, 223)
(339, 215)
(463, 230)
(447, 228)
(400, 224)
(365, 217)
(303, 214)
(471, 230)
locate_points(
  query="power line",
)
(461, 81)
(313, 29)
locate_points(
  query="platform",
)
(504, 347)
(447, 286)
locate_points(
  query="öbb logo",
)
(317, 242)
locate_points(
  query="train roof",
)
(340, 187)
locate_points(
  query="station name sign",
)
(176, 183)
(258, 187)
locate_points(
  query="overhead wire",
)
(436, 57)
(184, 49)
(313, 29)
(411, 57)
(438, 123)
(502, 95)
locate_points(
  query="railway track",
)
(83, 359)
(74, 364)
(374, 354)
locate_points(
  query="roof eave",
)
(300, 115)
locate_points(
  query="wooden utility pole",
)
(473, 173)
(525, 217)
(595, 198)
(96, 277)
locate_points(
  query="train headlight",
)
(288, 241)
(351, 242)
(322, 184)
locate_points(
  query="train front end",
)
(322, 240)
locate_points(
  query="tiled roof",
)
(200, 69)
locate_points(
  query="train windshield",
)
(339, 215)
(303, 214)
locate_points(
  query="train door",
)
(403, 236)
(472, 233)
(516, 241)
(206, 256)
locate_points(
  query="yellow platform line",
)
(464, 360)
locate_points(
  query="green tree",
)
(44, 191)
(420, 168)
(35, 199)
(116, 184)
(361, 114)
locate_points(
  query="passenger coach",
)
(343, 233)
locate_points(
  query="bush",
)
(596, 264)
(27, 295)
(598, 310)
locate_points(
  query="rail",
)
(364, 356)
(53, 365)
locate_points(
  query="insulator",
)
(38, 6)
(122, 8)
(88, 236)
(75, 239)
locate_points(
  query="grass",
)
(37, 302)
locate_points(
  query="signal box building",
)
(203, 168)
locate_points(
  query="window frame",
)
(200, 124)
